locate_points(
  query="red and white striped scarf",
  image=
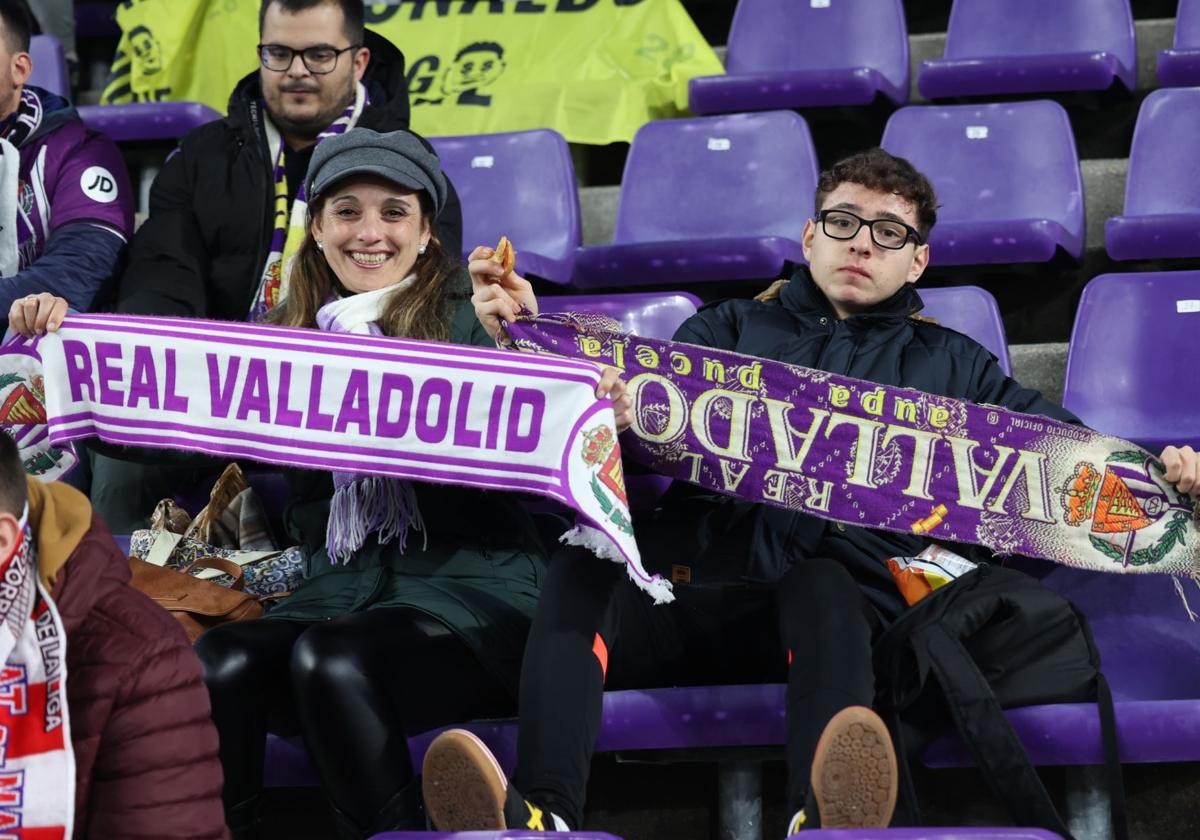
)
(37, 765)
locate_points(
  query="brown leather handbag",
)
(198, 605)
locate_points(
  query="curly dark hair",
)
(876, 169)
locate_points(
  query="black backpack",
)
(993, 639)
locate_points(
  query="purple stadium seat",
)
(147, 120)
(1031, 46)
(49, 65)
(1129, 368)
(1162, 190)
(785, 54)
(708, 199)
(523, 834)
(1150, 653)
(1007, 178)
(972, 311)
(649, 314)
(1180, 66)
(930, 834)
(520, 185)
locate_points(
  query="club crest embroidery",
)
(600, 451)
(1130, 518)
(23, 416)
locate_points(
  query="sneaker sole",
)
(854, 772)
(463, 785)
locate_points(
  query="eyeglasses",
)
(886, 233)
(319, 60)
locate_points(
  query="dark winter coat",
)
(748, 541)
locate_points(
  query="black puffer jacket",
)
(885, 346)
(202, 250)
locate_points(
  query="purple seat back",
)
(1180, 66)
(49, 65)
(1164, 174)
(1149, 648)
(972, 311)
(1162, 190)
(135, 121)
(1128, 365)
(519, 184)
(1030, 45)
(738, 175)
(862, 37)
(1006, 175)
(649, 314)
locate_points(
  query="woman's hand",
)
(613, 386)
(497, 295)
(37, 314)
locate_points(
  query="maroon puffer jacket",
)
(145, 747)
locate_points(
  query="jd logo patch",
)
(98, 184)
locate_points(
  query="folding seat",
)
(708, 199)
(786, 54)
(973, 312)
(1032, 46)
(1129, 364)
(1162, 190)
(145, 121)
(649, 314)
(49, 65)
(1006, 175)
(521, 185)
(1180, 66)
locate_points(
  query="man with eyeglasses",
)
(227, 209)
(767, 595)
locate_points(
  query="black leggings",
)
(816, 618)
(354, 687)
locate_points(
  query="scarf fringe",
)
(1194, 577)
(371, 505)
(603, 547)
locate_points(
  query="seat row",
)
(726, 198)
(786, 54)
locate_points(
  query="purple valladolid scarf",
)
(888, 458)
(377, 412)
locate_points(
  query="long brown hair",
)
(419, 311)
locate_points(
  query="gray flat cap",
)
(397, 156)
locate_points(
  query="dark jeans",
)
(355, 687)
(815, 618)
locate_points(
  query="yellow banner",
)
(594, 70)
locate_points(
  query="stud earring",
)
(320, 245)
(421, 250)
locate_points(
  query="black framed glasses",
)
(886, 233)
(319, 60)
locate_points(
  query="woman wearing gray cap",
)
(422, 621)
(409, 618)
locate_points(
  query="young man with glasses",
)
(774, 595)
(226, 212)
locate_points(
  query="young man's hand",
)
(1183, 469)
(496, 294)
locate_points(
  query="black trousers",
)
(816, 618)
(355, 687)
